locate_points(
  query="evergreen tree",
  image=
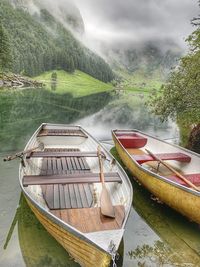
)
(40, 43)
(5, 53)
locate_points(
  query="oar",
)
(106, 206)
(21, 153)
(173, 170)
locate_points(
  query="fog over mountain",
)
(135, 34)
(121, 23)
(64, 11)
(131, 33)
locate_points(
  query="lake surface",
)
(155, 234)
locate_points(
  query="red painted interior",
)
(194, 178)
(131, 140)
(164, 156)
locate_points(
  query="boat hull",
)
(183, 201)
(58, 205)
(84, 253)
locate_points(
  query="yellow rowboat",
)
(168, 171)
(60, 178)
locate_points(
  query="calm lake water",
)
(155, 235)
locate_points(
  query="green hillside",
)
(39, 43)
(78, 84)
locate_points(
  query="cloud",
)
(131, 21)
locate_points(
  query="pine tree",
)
(5, 53)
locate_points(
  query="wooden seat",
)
(76, 178)
(90, 219)
(132, 140)
(194, 178)
(62, 132)
(55, 154)
(164, 156)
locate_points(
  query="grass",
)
(138, 82)
(78, 83)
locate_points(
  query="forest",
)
(32, 44)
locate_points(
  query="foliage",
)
(180, 96)
(5, 53)
(40, 43)
(54, 76)
(157, 255)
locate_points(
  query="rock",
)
(14, 80)
(194, 139)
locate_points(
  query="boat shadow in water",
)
(38, 247)
(179, 237)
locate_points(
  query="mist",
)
(111, 27)
(119, 23)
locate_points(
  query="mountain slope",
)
(63, 10)
(148, 57)
(39, 42)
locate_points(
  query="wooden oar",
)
(106, 206)
(21, 153)
(173, 170)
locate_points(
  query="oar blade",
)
(107, 208)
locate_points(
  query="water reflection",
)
(179, 243)
(181, 235)
(127, 112)
(159, 254)
(39, 249)
(21, 112)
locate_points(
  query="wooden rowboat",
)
(168, 171)
(61, 183)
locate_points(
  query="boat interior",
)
(64, 178)
(182, 160)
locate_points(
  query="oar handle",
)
(100, 165)
(20, 154)
(173, 170)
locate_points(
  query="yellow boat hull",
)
(187, 203)
(83, 252)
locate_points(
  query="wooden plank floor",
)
(89, 220)
(67, 196)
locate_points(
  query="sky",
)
(121, 22)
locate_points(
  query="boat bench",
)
(56, 177)
(66, 196)
(163, 156)
(132, 140)
(69, 178)
(62, 132)
(51, 154)
(194, 178)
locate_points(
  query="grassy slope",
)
(78, 83)
(141, 83)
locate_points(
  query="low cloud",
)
(119, 22)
